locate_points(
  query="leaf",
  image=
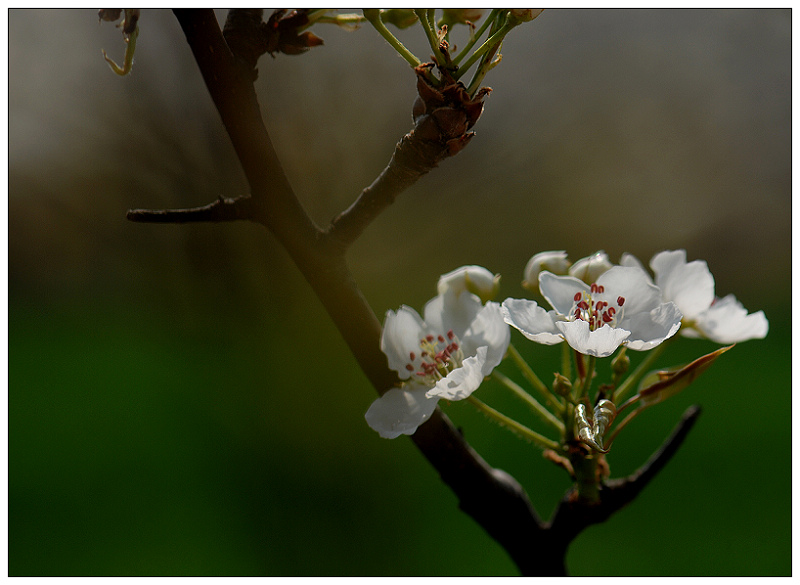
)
(660, 385)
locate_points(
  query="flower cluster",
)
(597, 308)
(445, 355)
(681, 296)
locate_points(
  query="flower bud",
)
(555, 262)
(590, 268)
(451, 16)
(620, 364)
(399, 17)
(561, 385)
(474, 279)
(109, 14)
(525, 14)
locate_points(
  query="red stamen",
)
(409, 367)
(577, 297)
(620, 301)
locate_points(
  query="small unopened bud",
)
(109, 14)
(399, 17)
(561, 385)
(620, 364)
(452, 16)
(525, 14)
(590, 268)
(555, 262)
(474, 279)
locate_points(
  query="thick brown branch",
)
(230, 84)
(490, 496)
(219, 210)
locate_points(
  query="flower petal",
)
(463, 381)
(451, 311)
(560, 290)
(400, 411)
(632, 261)
(555, 262)
(531, 320)
(590, 268)
(601, 342)
(489, 330)
(475, 279)
(633, 285)
(727, 321)
(689, 285)
(401, 334)
(650, 329)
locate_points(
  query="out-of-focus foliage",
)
(179, 402)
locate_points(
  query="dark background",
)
(179, 402)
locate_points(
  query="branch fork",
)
(443, 118)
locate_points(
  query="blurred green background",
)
(179, 402)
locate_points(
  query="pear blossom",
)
(553, 261)
(690, 285)
(475, 279)
(621, 308)
(445, 355)
(590, 268)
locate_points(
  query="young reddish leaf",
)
(658, 386)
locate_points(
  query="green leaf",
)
(658, 386)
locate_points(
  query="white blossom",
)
(445, 355)
(621, 307)
(690, 285)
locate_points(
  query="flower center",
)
(596, 311)
(439, 355)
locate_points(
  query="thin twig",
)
(240, 208)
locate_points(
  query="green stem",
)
(586, 477)
(514, 426)
(535, 405)
(566, 361)
(587, 380)
(374, 18)
(639, 372)
(531, 376)
(623, 424)
(427, 18)
(130, 48)
(478, 34)
(490, 43)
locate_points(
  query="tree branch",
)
(490, 496)
(442, 121)
(443, 118)
(219, 210)
(573, 515)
